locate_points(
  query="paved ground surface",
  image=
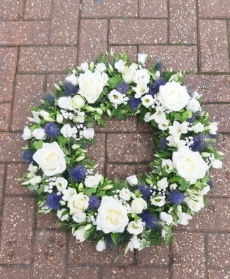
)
(39, 39)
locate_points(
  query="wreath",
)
(138, 211)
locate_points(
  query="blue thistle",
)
(122, 87)
(70, 89)
(134, 103)
(191, 119)
(199, 143)
(51, 129)
(94, 202)
(159, 67)
(176, 197)
(150, 221)
(145, 190)
(50, 98)
(53, 201)
(109, 241)
(78, 173)
(164, 144)
(27, 155)
(210, 183)
(154, 88)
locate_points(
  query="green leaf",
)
(114, 237)
(38, 144)
(114, 81)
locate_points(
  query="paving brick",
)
(15, 272)
(83, 272)
(220, 274)
(47, 59)
(218, 250)
(155, 255)
(85, 252)
(46, 221)
(49, 254)
(177, 57)
(188, 256)
(213, 46)
(39, 9)
(132, 50)
(153, 9)
(109, 8)
(214, 88)
(65, 22)
(24, 33)
(116, 125)
(11, 9)
(2, 168)
(8, 63)
(93, 39)
(5, 116)
(129, 147)
(144, 127)
(51, 79)
(135, 272)
(28, 92)
(220, 113)
(214, 8)
(11, 145)
(182, 26)
(17, 223)
(138, 31)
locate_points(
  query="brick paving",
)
(39, 40)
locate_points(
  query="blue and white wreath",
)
(139, 211)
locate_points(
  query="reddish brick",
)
(49, 254)
(24, 33)
(39, 9)
(182, 27)
(109, 8)
(2, 168)
(28, 92)
(218, 250)
(129, 147)
(138, 31)
(5, 116)
(116, 125)
(155, 255)
(135, 272)
(153, 9)
(18, 215)
(65, 22)
(85, 252)
(46, 221)
(220, 274)
(177, 57)
(11, 145)
(132, 50)
(47, 59)
(15, 272)
(51, 79)
(214, 88)
(144, 127)
(213, 46)
(93, 39)
(220, 113)
(214, 8)
(188, 256)
(7, 71)
(11, 9)
(83, 272)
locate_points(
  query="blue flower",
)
(159, 67)
(164, 144)
(145, 190)
(50, 98)
(199, 143)
(176, 197)
(109, 241)
(150, 221)
(154, 88)
(70, 89)
(134, 103)
(191, 119)
(210, 183)
(27, 155)
(51, 129)
(78, 173)
(94, 202)
(122, 87)
(53, 201)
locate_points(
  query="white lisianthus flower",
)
(59, 118)
(59, 214)
(50, 158)
(189, 165)
(205, 190)
(148, 117)
(147, 101)
(68, 193)
(178, 128)
(195, 202)
(138, 205)
(162, 184)
(193, 105)
(163, 125)
(101, 245)
(88, 133)
(165, 217)
(213, 127)
(198, 128)
(183, 217)
(173, 186)
(26, 133)
(173, 96)
(159, 116)
(142, 58)
(163, 233)
(117, 98)
(100, 67)
(33, 169)
(78, 203)
(134, 243)
(65, 103)
(125, 194)
(92, 181)
(91, 86)
(129, 73)
(79, 217)
(135, 227)
(35, 180)
(168, 164)
(158, 200)
(35, 117)
(132, 180)
(67, 131)
(44, 113)
(84, 66)
(80, 118)
(112, 216)
(61, 184)
(39, 134)
(72, 79)
(120, 66)
(80, 233)
(216, 164)
(140, 90)
(78, 102)
(141, 76)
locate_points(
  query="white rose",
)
(135, 227)
(35, 180)
(198, 128)
(141, 76)
(78, 102)
(112, 216)
(61, 183)
(101, 245)
(39, 133)
(88, 133)
(158, 200)
(65, 103)
(59, 214)
(26, 133)
(167, 218)
(68, 193)
(72, 79)
(91, 86)
(142, 58)
(67, 131)
(50, 158)
(138, 205)
(193, 105)
(100, 67)
(173, 96)
(79, 217)
(189, 165)
(216, 164)
(125, 194)
(129, 73)
(162, 184)
(195, 202)
(213, 127)
(92, 181)
(168, 164)
(59, 118)
(132, 180)
(78, 203)
(120, 66)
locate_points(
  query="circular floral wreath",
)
(139, 211)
